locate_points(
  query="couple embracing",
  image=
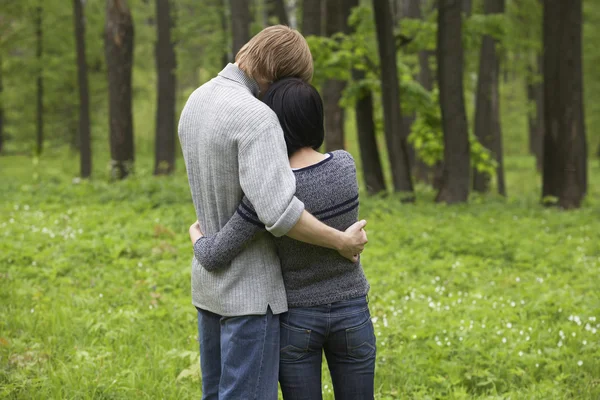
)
(276, 277)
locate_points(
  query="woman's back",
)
(315, 275)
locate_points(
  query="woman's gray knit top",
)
(312, 275)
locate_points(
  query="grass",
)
(493, 300)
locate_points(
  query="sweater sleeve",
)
(267, 179)
(218, 250)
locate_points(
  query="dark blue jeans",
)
(344, 332)
(239, 356)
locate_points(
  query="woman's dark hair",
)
(299, 108)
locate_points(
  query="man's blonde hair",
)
(276, 52)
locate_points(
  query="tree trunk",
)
(85, 150)
(227, 57)
(1, 111)
(565, 155)
(487, 106)
(312, 18)
(240, 24)
(535, 95)
(457, 164)
(276, 9)
(40, 83)
(118, 42)
(165, 113)
(421, 171)
(395, 130)
(337, 14)
(467, 7)
(365, 126)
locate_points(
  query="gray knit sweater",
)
(233, 144)
(312, 275)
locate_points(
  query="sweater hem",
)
(275, 309)
(329, 299)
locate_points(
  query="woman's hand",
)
(195, 232)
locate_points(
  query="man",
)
(232, 144)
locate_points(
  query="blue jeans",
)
(239, 356)
(344, 332)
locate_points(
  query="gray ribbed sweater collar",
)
(232, 72)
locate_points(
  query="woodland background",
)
(475, 129)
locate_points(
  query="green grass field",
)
(497, 299)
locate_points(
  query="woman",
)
(327, 294)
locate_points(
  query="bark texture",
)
(40, 82)
(118, 43)
(456, 174)
(312, 18)
(421, 171)
(240, 24)
(166, 65)
(1, 112)
(276, 8)
(487, 106)
(365, 126)
(85, 148)
(565, 152)
(337, 14)
(535, 95)
(395, 129)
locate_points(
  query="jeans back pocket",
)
(361, 341)
(294, 342)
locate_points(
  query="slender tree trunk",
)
(535, 95)
(421, 171)
(395, 129)
(166, 64)
(1, 111)
(312, 18)
(467, 7)
(85, 148)
(457, 164)
(337, 15)
(365, 126)
(565, 155)
(118, 43)
(227, 57)
(276, 9)
(487, 107)
(240, 24)
(40, 82)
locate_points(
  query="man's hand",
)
(354, 241)
(195, 232)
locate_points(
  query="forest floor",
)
(496, 299)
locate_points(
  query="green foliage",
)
(335, 56)
(496, 299)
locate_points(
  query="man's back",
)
(232, 143)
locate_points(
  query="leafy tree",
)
(421, 170)
(365, 123)
(119, 60)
